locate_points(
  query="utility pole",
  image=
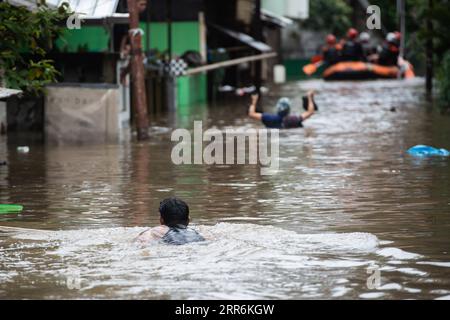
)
(429, 52)
(258, 35)
(401, 15)
(137, 72)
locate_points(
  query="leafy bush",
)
(26, 37)
(444, 81)
(332, 16)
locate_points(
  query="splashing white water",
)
(245, 261)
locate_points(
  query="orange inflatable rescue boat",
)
(357, 70)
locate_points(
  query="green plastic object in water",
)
(10, 208)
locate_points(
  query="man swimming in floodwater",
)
(174, 219)
(282, 120)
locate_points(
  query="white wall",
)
(301, 44)
(79, 114)
(275, 6)
(296, 9)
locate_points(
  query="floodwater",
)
(347, 207)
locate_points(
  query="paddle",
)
(10, 208)
(317, 58)
(311, 68)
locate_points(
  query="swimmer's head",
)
(283, 107)
(174, 212)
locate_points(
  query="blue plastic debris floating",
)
(427, 151)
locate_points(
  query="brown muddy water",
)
(347, 200)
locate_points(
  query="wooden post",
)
(147, 27)
(429, 53)
(202, 35)
(137, 73)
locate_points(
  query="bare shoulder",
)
(206, 234)
(153, 234)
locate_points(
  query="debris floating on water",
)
(427, 151)
(10, 208)
(23, 149)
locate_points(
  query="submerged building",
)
(195, 50)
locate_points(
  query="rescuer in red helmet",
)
(352, 33)
(331, 51)
(352, 49)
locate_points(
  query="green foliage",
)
(389, 14)
(440, 16)
(333, 16)
(444, 81)
(26, 37)
(414, 49)
(417, 34)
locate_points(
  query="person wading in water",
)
(282, 119)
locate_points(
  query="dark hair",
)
(175, 212)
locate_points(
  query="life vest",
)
(352, 51)
(389, 55)
(331, 54)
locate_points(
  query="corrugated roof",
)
(30, 4)
(88, 8)
(6, 93)
(269, 16)
(94, 8)
(244, 38)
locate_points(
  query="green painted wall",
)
(91, 39)
(185, 36)
(191, 90)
